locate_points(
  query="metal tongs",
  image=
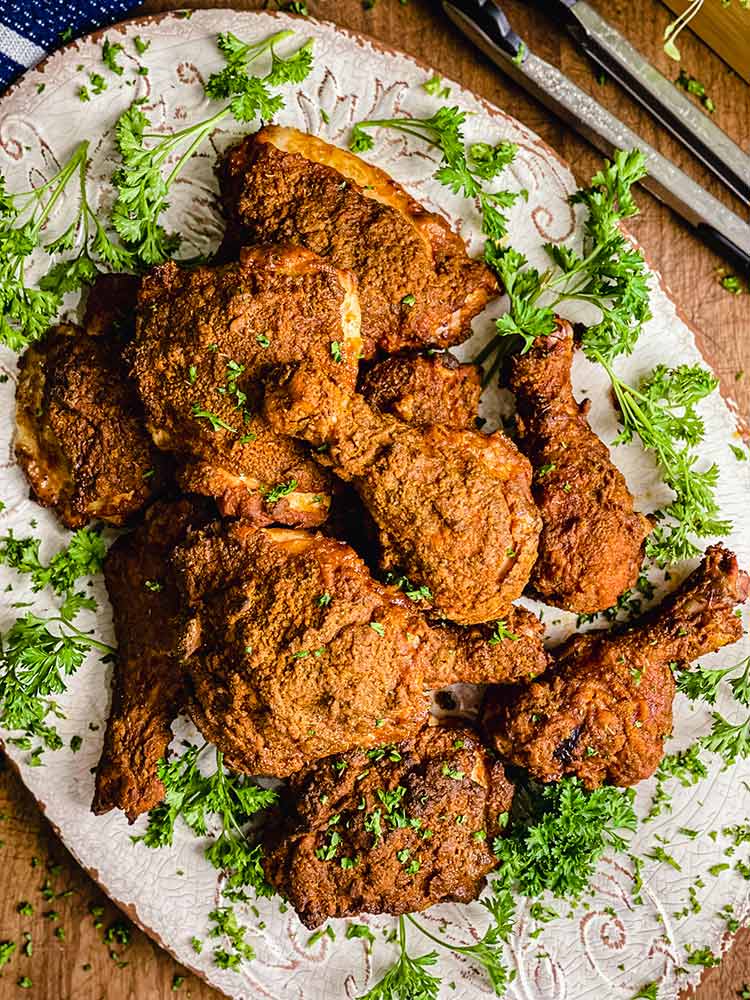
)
(485, 24)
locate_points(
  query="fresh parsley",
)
(463, 171)
(280, 490)
(501, 633)
(408, 978)
(142, 190)
(200, 801)
(26, 312)
(36, 656)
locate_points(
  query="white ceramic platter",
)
(609, 947)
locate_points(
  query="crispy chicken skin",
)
(416, 820)
(281, 185)
(147, 682)
(604, 711)
(591, 545)
(425, 390)
(207, 337)
(294, 652)
(80, 438)
(453, 508)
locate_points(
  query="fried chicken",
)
(602, 713)
(416, 283)
(425, 390)
(148, 690)
(80, 436)
(453, 508)
(395, 829)
(591, 545)
(294, 652)
(207, 337)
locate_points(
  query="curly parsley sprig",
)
(204, 800)
(142, 188)
(25, 311)
(83, 556)
(408, 978)
(463, 171)
(36, 655)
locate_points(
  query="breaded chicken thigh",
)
(453, 508)
(80, 434)
(417, 284)
(604, 710)
(206, 338)
(592, 541)
(294, 652)
(395, 829)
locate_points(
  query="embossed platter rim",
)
(353, 78)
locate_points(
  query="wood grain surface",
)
(80, 967)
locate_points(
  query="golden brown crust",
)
(434, 845)
(592, 541)
(453, 508)
(605, 710)
(483, 654)
(295, 652)
(80, 438)
(283, 185)
(147, 684)
(419, 389)
(279, 678)
(206, 334)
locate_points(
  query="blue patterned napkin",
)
(29, 29)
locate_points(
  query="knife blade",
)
(485, 24)
(673, 109)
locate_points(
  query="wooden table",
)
(80, 968)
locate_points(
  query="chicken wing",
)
(294, 652)
(591, 545)
(206, 338)
(419, 389)
(417, 284)
(395, 829)
(80, 434)
(148, 690)
(604, 711)
(453, 508)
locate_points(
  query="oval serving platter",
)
(609, 946)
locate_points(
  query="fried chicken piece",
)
(417, 284)
(425, 390)
(592, 541)
(418, 389)
(294, 652)
(604, 711)
(394, 830)
(80, 434)
(207, 337)
(453, 508)
(148, 689)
